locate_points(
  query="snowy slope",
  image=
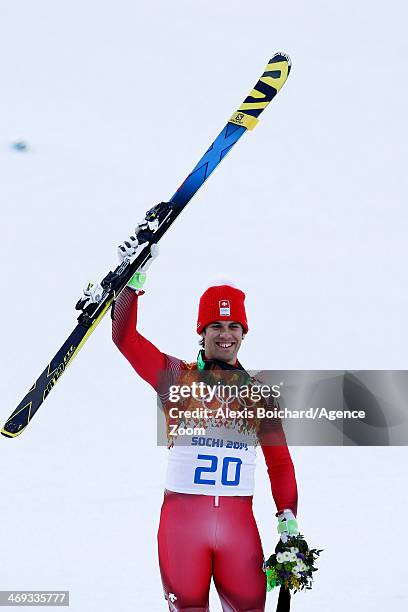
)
(117, 102)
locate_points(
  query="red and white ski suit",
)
(202, 535)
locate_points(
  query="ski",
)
(157, 222)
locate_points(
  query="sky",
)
(117, 102)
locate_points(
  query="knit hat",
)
(221, 303)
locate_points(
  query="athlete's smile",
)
(222, 340)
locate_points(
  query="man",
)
(207, 528)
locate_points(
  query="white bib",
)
(217, 463)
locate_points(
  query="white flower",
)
(293, 549)
(287, 556)
(279, 558)
(293, 557)
(300, 566)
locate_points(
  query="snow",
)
(116, 103)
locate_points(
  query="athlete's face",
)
(222, 340)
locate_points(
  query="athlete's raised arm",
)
(148, 361)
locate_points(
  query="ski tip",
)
(9, 434)
(281, 56)
(5, 433)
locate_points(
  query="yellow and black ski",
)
(158, 220)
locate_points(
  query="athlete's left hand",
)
(287, 525)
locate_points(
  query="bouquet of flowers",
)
(292, 565)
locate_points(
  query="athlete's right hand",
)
(129, 247)
(139, 278)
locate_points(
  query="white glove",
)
(132, 247)
(287, 525)
(128, 248)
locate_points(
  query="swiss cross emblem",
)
(225, 309)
